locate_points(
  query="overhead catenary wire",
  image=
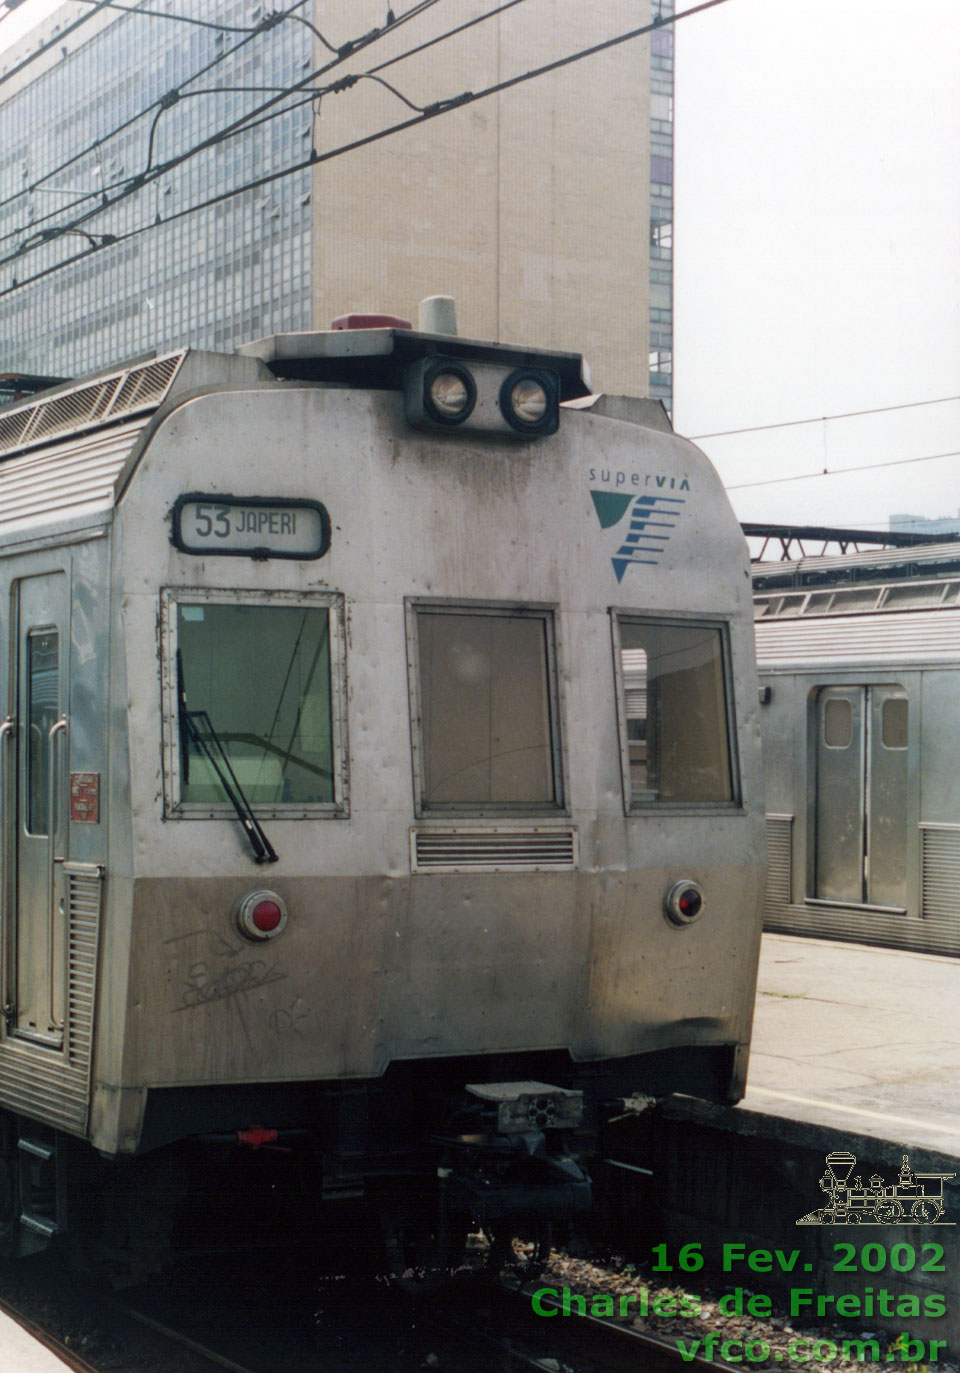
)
(132, 185)
(98, 143)
(823, 419)
(839, 471)
(432, 111)
(54, 41)
(175, 18)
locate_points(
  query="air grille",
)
(778, 862)
(50, 1085)
(114, 397)
(941, 877)
(84, 884)
(495, 849)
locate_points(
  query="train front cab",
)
(571, 901)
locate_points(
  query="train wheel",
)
(889, 1211)
(852, 1218)
(925, 1211)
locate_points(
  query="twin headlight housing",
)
(482, 397)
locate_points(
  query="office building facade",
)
(530, 205)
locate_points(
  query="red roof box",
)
(370, 322)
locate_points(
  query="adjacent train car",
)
(380, 781)
(859, 658)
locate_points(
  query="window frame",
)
(334, 603)
(548, 614)
(682, 619)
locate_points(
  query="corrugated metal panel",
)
(846, 562)
(67, 479)
(51, 1085)
(940, 879)
(881, 640)
(856, 925)
(936, 931)
(123, 393)
(779, 832)
(493, 850)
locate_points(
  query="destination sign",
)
(250, 527)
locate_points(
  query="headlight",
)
(449, 393)
(529, 402)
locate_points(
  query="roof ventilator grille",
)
(118, 396)
(493, 850)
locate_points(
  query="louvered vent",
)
(941, 876)
(49, 1084)
(497, 849)
(778, 862)
(84, 885)
(117, 396)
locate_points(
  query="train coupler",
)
(518, 1168)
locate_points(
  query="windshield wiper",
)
(263, 850)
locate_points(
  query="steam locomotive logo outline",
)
(913, 1199)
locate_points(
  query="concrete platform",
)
(21, 1353)
(858, 1039)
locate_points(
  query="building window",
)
(661, 169)
(275, 734)
(485, 708)
(661, 233)
(674, 698)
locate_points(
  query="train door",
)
(861, 795)
(34, 819)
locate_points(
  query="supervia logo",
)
(652, 521)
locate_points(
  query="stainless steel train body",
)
(485, 691)
(860, 659)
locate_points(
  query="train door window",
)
(254, 693)
(485, 704)
(860, 807)
(674, 699)
(837, 723)
(42, 713)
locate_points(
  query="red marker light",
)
(689, 902)
(261, 914)
(683, 903)
(266, 915)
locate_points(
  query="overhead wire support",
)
(270, 21)
(430, 112)
(130, 185)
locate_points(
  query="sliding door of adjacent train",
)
(33, 817)
(861, 795)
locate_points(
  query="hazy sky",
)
(817, 248)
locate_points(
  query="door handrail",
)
(7, 731)
(52, 816)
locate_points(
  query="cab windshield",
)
(257, 677)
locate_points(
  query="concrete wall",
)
(530, 207)
(727, 1176)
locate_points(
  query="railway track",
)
(350, 1326)
(63, 1351)
(574, 1343)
